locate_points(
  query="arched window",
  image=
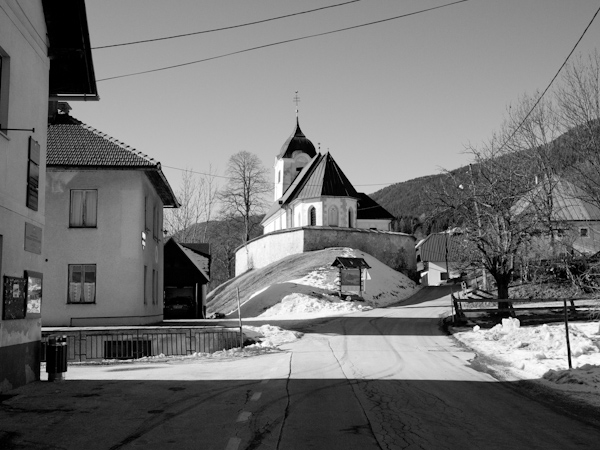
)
(312, 216)
(333, 217)
(350, 223)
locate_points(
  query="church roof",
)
(320, 177)
(297, 141)
(369, 209)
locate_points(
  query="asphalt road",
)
(383, 379)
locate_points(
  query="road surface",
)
(382, 379)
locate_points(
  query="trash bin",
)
(56, 357)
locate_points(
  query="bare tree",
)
(578, 97)
(483, 200)
(243, 198)
(197, 196)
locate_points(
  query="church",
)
(316, 207)
(312, 190)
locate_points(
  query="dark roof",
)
(370, 209)
(73, 144)
(433, 247)
(320, 177)
(350, 263)
(200, 261)
(297, 141)
(203, 248)
(71, 68)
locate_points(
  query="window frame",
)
(312, 216)
(84, 209)
(82, 281)
(33, 175)
(4, 91)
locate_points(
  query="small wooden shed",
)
(187, 273)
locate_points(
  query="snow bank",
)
(384, 286)
(540, 353)
(294, 304)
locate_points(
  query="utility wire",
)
(550, 84)
(229, 178)
(223, 28)
(282, 42)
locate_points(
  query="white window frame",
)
(88, 220)
(82, 292)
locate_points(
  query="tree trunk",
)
(502, 286)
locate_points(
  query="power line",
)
(223, 28)
(551, 81)
(281, 42)
(229, 178)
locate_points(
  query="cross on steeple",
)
(296, 100)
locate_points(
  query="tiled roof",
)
(73, 144)
(433, 247)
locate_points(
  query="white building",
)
(104, 229)
(312, 190)
(44, 55)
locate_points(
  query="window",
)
(82, 283)
(145, 284)
(33, 175)
(83, 211)
(146, 213)
(4, 73)
(583, 232)
(312, 216)
(350, 217)
(154, 287)
(333, 217)
(155, 223)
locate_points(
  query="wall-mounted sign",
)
(33, 238)
(13, 298)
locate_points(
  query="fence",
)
(481, 301)
(130, 343)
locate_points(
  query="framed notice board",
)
(14, 298)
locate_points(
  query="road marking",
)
(233, 444)
(255, 396)
(244, 416)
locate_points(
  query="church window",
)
(333, 217)
(312, 216)
(350, 224)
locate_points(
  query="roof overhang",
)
(71, 68)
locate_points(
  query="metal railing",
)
(133, 343)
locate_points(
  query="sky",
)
(391, 101)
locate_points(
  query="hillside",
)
(309, 274)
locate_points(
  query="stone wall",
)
(397, 250)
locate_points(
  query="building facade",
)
(104, 245)
(37, 43)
